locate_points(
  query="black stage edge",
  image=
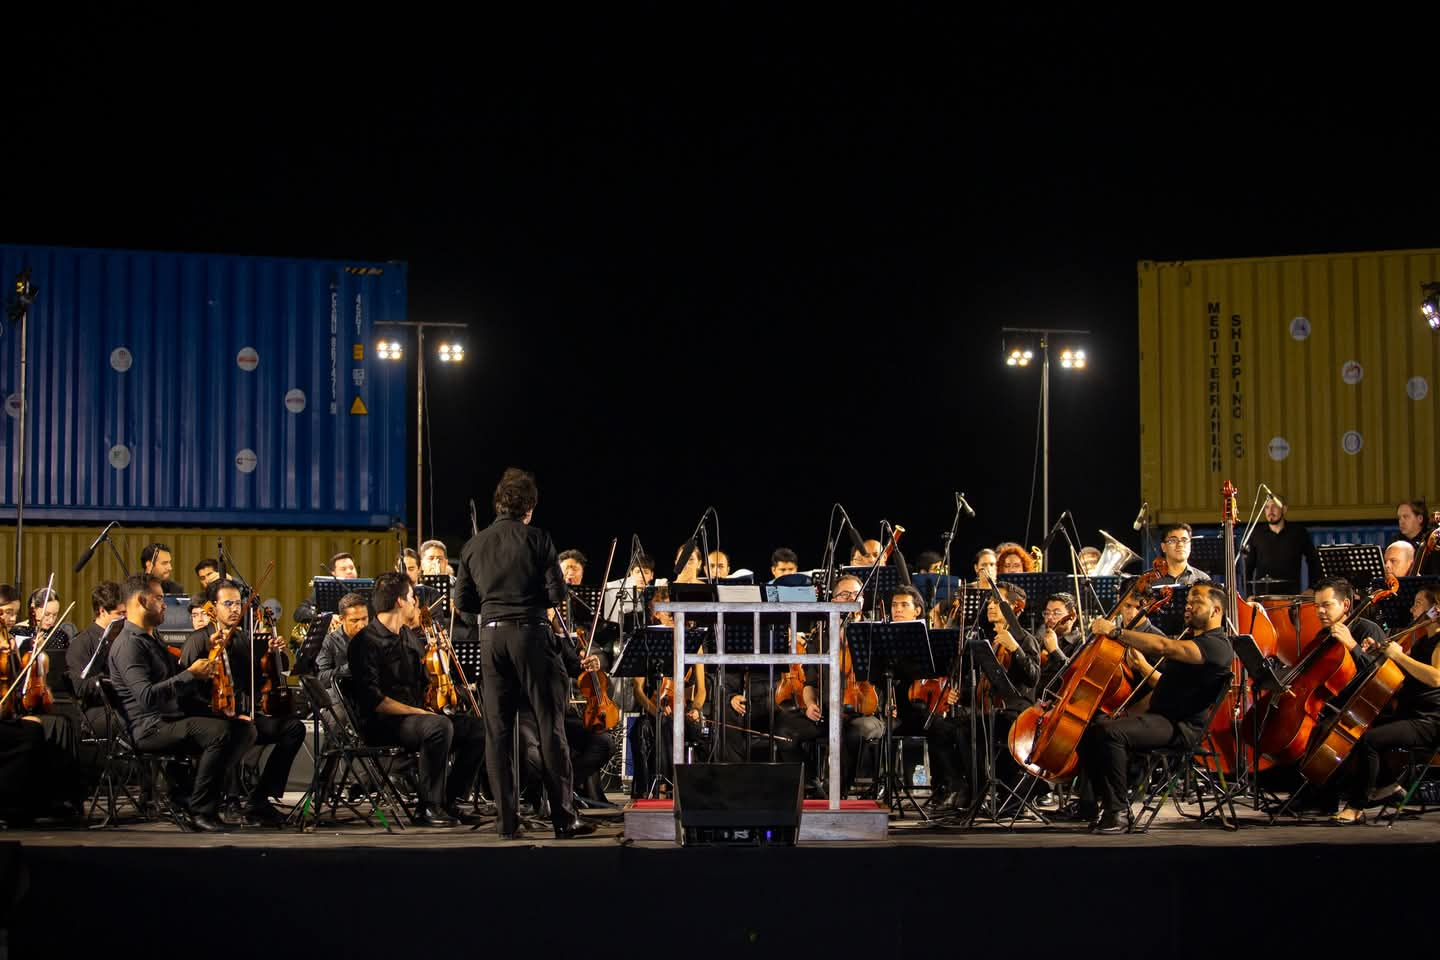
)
(1118, 897)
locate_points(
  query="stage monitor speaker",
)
(744, 804)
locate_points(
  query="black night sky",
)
(746, 258)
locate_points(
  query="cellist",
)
(1414, 724)
(240, 657)
(1197, 666)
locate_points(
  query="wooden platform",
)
(856, 821)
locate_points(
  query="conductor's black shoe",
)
(1109, 823)
(517, 834)
(434, 818)
(580, 828)
(460, 816)
(205, 823)
(263, 813)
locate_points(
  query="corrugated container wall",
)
(299, 555)
(185, 388)
(1315, 374)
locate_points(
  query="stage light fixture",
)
(1430, 303)
(389, 350)
(452, 352)
(1072, 359)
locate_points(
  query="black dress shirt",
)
(333, 660)
(385, 664)
(1278, 555)
(151, 685)
(197, 647)
(509, 571)
(1185, 691)
(77, 658)
(1187, 576)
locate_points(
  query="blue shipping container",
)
(190, 388)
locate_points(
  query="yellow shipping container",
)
(1313, 374)
(299, 555)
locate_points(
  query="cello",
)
(1045, 737)
(1287, 721)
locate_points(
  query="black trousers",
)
(1369, 751)
(799, 730)
(219, 744)
(1105, 753)
(942, 739)
(589, 752)
(642, 750)
(287, 734)
(435, 737)
(520, 663)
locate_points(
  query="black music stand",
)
(1394, 612)
(310, 646)
(935, 587)
(650, 653)
(1208, 554)
(879, 582)
(441, 584)
(1263, 678)
(329, 591)
(886, 644)
(1360, 563)
(1170, 618)
(1037, 587)
(981, 656)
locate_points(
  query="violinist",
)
(1414, 724)
(859, 726)
(9, 606)
(572, 567)
(644, 691)
(435, 559)
(509, 574)
(719, 564)
(1426, 599)
(58, 644)
(199, 619)
(156, 560)
(1197, 666)
(107, 606)
(154, 692)
(783, 563)
(388, 683)
(942, 738)
(929, 562)
(1175, 546)
(589, 750)
(333, 660)
(986, 566)
(240, 656)
(1415, 526)
(208, 571)
(1060, 633)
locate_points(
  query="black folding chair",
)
(345, 759)
(1183, 772)
(125, 763)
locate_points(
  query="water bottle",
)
(920, 776)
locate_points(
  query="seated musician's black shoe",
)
(1109, 823)
(517, 834)
(434, 818)
(262, 813)
(460, 816)
(939, 800)
(580, 828)
(205, 823)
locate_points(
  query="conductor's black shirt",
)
(509, 571)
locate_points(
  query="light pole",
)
(1020, 345)
(449, 352)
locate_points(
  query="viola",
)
(36, 697)
(222, 686)
(601, 713)
(276, 698)
(859, 695)
(1045, 737)
(792, 684)
(1287, 721)
(440, 693)
(1334, 737)
(7, 674)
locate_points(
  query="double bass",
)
(1045, 737)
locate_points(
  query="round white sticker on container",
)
(245, 461)
(119, 456)
(1300, 328)
(295, 400)
(1417, 388)
(1279, 448)
(247, 359)
(1352, 442)
(120, 359)
(12, 406)
(1351, 372)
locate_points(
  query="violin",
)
(222, 685)
(792, 684)
(601, 713)
(440, 693)
(276, 698)
(1002, 653)
(7, 673)
(36, 697)
(859, 695)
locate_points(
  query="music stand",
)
(441, 584)
(981, 656)
(650, 653)
(310, 646)
(1208, 554)
(1038, 587)
(1360, 563)
(878, 582)
(935, 587)
(887, 644)
(1170, 618)
(329, 591)
(1394, 612)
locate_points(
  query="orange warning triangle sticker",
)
(357, 409)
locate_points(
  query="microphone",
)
(1140, 517)
(220, 556)
(1054, 531)
(856, 541)
(902, 569)
(1270, 495)
(964, 504)
(90, 550)
(690, 544)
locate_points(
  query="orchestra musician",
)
(644, 693)
(783, 562)
(241, 654)
(208, 571)
(435, 559)
(342, 567)
(942, 738)
(156, 560)
(1399, 558)
(409, 564)
(1415, 526)
(509, 574)
(199, 619)
(1277, 547)
(1197, 666)
(1060, 636)
(589, 750)
(1175, 546)
(106, 603)
(333, 661)
(719, 564)
(868, 557)
(986, 567)
(1414, 724)
(858, 726)
(1426, 599)
(156, 697)
(1012, 558)
(388, 683)
(572, 567)
(9, 606)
